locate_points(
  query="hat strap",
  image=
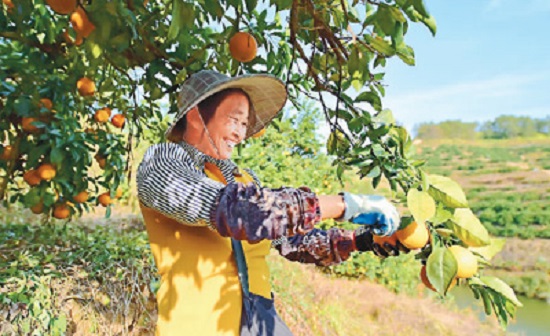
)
(209, 137)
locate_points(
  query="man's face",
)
(229, 124)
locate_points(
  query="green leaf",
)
(441, 269)
(430, 23)
(421, 205)
(501, 287)
(384, 19)
(441, 215)
(489, 251)
(384, 117)
(469, 229)
(375, 172)
(332, 143)
(372, 98)
(56, 156)
(406, 54)
(381, 45)
(447, 191)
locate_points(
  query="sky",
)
(488, 58)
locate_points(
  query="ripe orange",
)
(38, 208)
(380, 240)
(32, 177)
(426, 282)
(105, 199)
(61, 211)
(243, 47)
(46, 171)
(259, 134)
(46, 103)
(7, 153)
(81, 197)
(8, 4)
(414, 236)
(118, 193)
(118, 120)
(81, 24)
(467, 261)
(28, 126)
(102, 115)
(85, 86)
(62, 6)
(101, 161)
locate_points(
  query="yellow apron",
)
(200, 293)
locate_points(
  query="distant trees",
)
(503, 127)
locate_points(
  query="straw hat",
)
(267, 95)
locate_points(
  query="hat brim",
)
(267, 95)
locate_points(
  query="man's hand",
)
(373, 211)
(364, 242)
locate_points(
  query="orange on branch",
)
(9, 4)
(61, 211)
(80, 22)
(38, 208)
(46, 171)
(81, 197)
(105, 199)
(7, 153)
(85, 86)
(102, 115)
(28, 126)
(118, 120)
(118, 193)
(243, 47)
(46, 103)
(62, 6)
(467, 261)
(32, 177)
(414, 236)
(101, 161)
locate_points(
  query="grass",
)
(84, 279)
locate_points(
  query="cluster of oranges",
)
(416, 236)
(80, 22)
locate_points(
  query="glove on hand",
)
(364, 242)
(372, 210)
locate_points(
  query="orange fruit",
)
(105, 199)
(78, 40)
(46, 103)
(81, 197)
(62, 6)
(243, 47)
(380, 240)
(102, 115)
(8, 4)
(118, 193)
(46, 171)
(32, 177)
(101, 161)
(61, 211)
(38, 208)
(467, 261)
(28, 126)
(85, 86)
(426, 281)
(414, 236)
(118, 120)
(7, 153)
(81, 24)
(259, 134)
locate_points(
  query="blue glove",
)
(371, 210)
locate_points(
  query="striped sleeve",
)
(168, 182)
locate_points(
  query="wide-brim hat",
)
(267, 95)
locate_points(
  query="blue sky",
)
(488, 58)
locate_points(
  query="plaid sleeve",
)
(168, 182)
(320, 247)
(248, 212)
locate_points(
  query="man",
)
(200, 208)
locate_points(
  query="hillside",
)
(507, 182)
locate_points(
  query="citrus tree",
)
(81, 80)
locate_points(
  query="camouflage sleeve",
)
(320, 247)
(248, 212)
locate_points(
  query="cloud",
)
(472, 101)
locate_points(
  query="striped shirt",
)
(172, 181)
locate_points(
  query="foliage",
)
(451, 129)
